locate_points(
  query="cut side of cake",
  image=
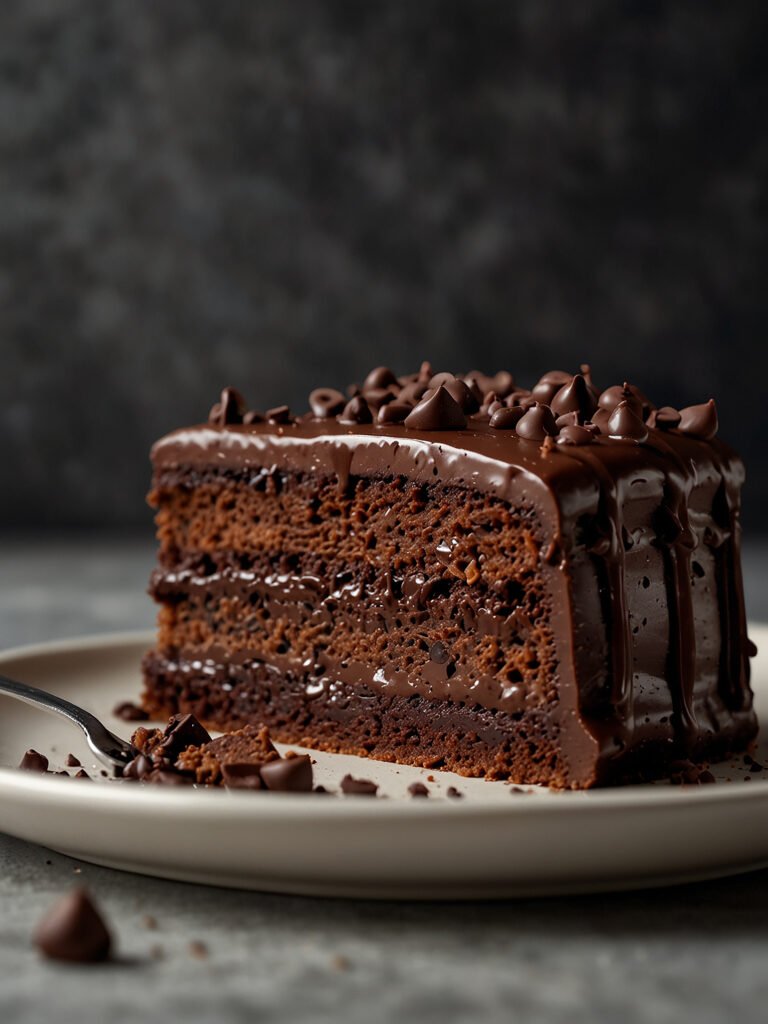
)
(542, 586)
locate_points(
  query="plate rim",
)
(158, 801)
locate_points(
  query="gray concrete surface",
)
(691, 953)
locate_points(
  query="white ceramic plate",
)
(493, 842)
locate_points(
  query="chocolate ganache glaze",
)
(639, 515)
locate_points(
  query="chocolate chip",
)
(82, 775)
(74, 930)
(462, 395)
(252, 417)
(356, 411)
(325, 402)
(395, 412)
(129, 712)
(380, 377)
(379, 397)
(626, 424)
(418, 789)
(229, 409)
(412, 392)
(288, 774)
(34, 762)
(575, 435)
(242, 776)
(72, 761)
(576, 397)
(439, 652)
(611, 397)
(665, 418)
(439, 411)
(549, 385)
(358, 787)
(280, 415)
(600, 420)
(454, 793)
(537, 423)
(506, 418)
(700, 420)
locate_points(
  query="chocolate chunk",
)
(358, 787)
(72, 761)
(665, 418)
(454, 793)
(626, 424)
(181, 732)
(505, 418)
(394, 412)
(418, 789)
(229, 409)
(34, 762)
(288, 774)
(82, 775)
(356, 411)
(129, 712)
(537, 423)
(700, 420)
(439, 411)
(576, 397)
(138, 768)
(74, 930)
(439, 652)
(575, 435)
(281, 414)
(242, 776)
(381, 377)
(325, 402)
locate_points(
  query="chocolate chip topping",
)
(700, 420)
(74, 930)
(358, 787)
(537, 423)
(506, 419)
(574, 397)
(229, 409)
(356, 410)
(288, 774)
(325, 402)
(439, 411)
(625, 423)
(34, 762)
(443, 401)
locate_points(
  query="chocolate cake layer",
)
(561, 611)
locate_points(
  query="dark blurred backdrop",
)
(281, 194)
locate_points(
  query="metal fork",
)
(112, 750)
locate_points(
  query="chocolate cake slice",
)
(447, 571)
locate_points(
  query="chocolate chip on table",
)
(129, 712)
(454, 793)
(34, 762)
(418, 789)
(74, 930)
(72, 761)
(358, 787)
(288, 774)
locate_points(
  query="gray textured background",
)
(281, 194)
